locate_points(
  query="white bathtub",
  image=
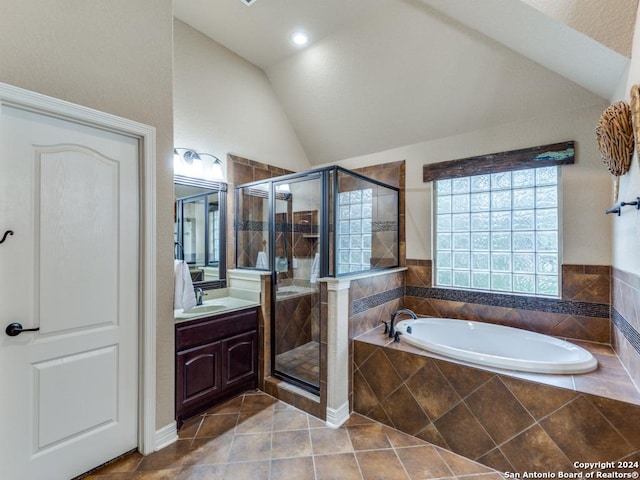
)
(496, 346)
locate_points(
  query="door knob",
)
(15, 329)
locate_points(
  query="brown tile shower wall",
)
(582, 313)
(393, 174)
(242, 170)
(371, 300)
(296, 322)
(626, 320)
(509, 424)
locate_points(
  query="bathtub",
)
(496, 346)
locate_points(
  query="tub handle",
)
(386, 327)
(396, 337)
(409, 329)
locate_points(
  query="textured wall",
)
(116, 57)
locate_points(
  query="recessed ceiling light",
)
(300, 38)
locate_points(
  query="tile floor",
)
(302, 362)
(255, 437)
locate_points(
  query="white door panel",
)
(69, 392)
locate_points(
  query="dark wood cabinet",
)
(216, 358)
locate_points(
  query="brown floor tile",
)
(170, 457)
(381, 465)
(255, 422)
(209, 451)
(257, 402)
(217, 425)
(202, 472)
(255, 446)
(292, 468)
(277, 451)
(249, 470)
(290, 419)
(337, 467)
(292, 443)
(170, 474)
(368, 437)
(190, 428)
(330, 441)
(460, 465)
(423, 462)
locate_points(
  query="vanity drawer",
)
(210, 329)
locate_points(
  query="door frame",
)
(38, 103)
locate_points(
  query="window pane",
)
(444, 241)
(496, 232)
(480, 221)
(500, 181)
(480, 280)
(461, 241)
(460, 203)
(461, 279)
(444, 223)
(461, 222)
(501, 242)
(524, 283)
(501, 200)
(524, 198)
(460, 185)
(444, 277)
(480, 183)
(480, 202)
(524, 263)
(523, 178)
(443, 187)
(444, 205)
(443, 260)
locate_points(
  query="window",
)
(354, 230)
(499, 232)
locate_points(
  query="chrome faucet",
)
(394, 317)
(199, 294)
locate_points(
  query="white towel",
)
(315, 269)
(185, 296)
(261, 261)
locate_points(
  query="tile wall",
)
(507, 423)
(626, 320)
(239, 171)
(583, 311)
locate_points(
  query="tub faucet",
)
(199, 295)
(392, 324)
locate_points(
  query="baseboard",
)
(166, 436)
(337, 416)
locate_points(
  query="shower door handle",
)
(15, 329)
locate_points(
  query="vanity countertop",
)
(214, 307)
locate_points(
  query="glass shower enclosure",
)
(302, 227)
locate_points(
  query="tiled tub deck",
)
(510, 421)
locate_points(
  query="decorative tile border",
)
(376, 300)
(547, 305)
(630, 333)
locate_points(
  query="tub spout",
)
(392, 324)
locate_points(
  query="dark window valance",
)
(534, 157)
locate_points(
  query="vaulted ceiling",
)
(379, 74)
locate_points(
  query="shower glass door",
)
(296, 292)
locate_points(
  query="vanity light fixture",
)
(300, 38)
(191, 164)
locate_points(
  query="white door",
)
(68, 392)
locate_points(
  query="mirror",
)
(200, 229)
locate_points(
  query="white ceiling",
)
(380, 74)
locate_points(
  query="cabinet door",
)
(198, 378)
(240, 360)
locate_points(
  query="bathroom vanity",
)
(216, 357)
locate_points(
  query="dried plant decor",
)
(614, 135)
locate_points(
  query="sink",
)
(205, 309)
